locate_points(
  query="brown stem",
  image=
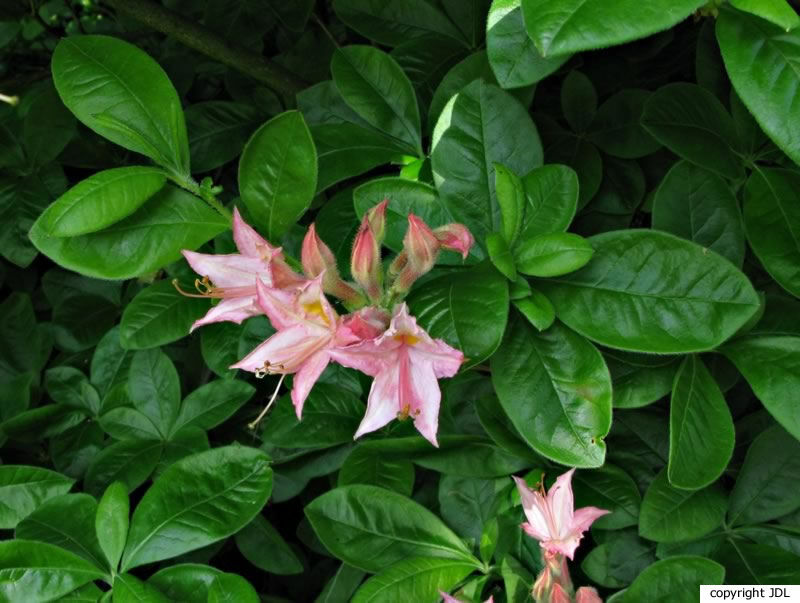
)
(197, 37)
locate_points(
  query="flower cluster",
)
(378, 336)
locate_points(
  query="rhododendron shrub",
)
(403, 301)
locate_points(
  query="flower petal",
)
(561, 503)
(305, 379)
(235, 310)
(227, 270)
(583, 518)
(247, 240)
(425, 398)
(278, 305)
(369, 357)
(533, 532)
(285, 351)
(382, 405)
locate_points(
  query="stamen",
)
(255, 423)
(268, 369)
(186, 293)
(402, 415)
(204, 286)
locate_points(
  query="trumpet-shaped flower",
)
(406, 363)
(232, 277)
(308, 328)
(552, 520)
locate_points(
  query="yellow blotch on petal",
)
(316, 309)
(407, 339)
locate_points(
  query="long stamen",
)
(255, 423)
(186, 293)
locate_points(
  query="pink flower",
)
(456, 237)
(232, 277)
(586, 594)
(559, 595)
(308, 328)
(318, 259)
(406, 363)
(376, 216)
(451, 599)
(551, 518)
(365, 261)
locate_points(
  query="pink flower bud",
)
(377, 220)
(543, 584)
(559, 595)
(421, 245)
(365, 263)
(456, 237)
(317, 258)
(586, 594)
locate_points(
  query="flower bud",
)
(421, 245)
(542, 586)
(559, 595)
(377, 220)
(365, 263)
(586, 594)
(317, 258)
(456, 237)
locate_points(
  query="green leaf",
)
(500, 255)
(212, 404)
(772, 222)
(155, 388)
(218, 131)
(514, 59)
(691, 122)
(149, 239)
(47, 126)
(365, 465)
(342, 585)
(122, 94)
(415, 578)
(777, 11)
(197, 501)
(619, 560)
(101, 200)
(67, 385)
(468, 456)
(278, 173)
(79, 321)
(511, 199)
(376, 88)
(610, 488)
(111, 523)
(393, 24)
(632, 296)
(158, 315)
(748, 563)
(567, 26)
(771, 365)
(187, 582)
(371, 528)
(551, 194)
(760, 59)
(481, 126)
(129, 589)
(671, 515)
(264, 547)
(36, 571)
(475, 66)
(553, 254)
(331, 416)
(232, 588)
(578, 101)
(467, 503)
(556, 389)
(66, 521)
(675, 579)
(697, 205)
(23, 489)
(88, 593)
(110, 363)
(537, 309)
(468, 309)
(701, 433)
(130, 461)
(638, 384)
(765, 486)
(617, 127)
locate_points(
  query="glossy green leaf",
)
(778, 12)
(36, 571)
(479, 127)
(67, 385)
(65, 521)
(691, 122)
(567, 26)
(278, 173)
(217, 132)
(264, 547)
(760, 58)
(670, 515)
(101, 200)
(415, 578)
(610, 488)
(469, 456)
(155, 388)
(110, 362)
(697, 205)
(556, 389)
(372, 528)
(468, 309)
(747, 563)
(771, 365)
(23, 489)
(197, 501)
(232, 588)
(342, 585)
(632, 296)
(365, 466)
(212, 404)
(376, 88)
(514, 59)
(765, 486)
(111, 523)
(617, 127)
(500, 255)
(511, 199)
(121, 93)
(675, 579)
(475, 66)
(187, 582)
(537, 309)
(772, 222)
(553, 254)
(393, 24)
(129, 461)
(618, 561)
(467, 503)
(551, 194)
(130, 589)
(638, 384)
(47, 127)
(124, 423)
(147, 240)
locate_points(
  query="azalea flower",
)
(318, 259)
(232, 277)
(551, 517)
(308, 327)
(406, 363)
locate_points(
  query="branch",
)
(197, 37)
